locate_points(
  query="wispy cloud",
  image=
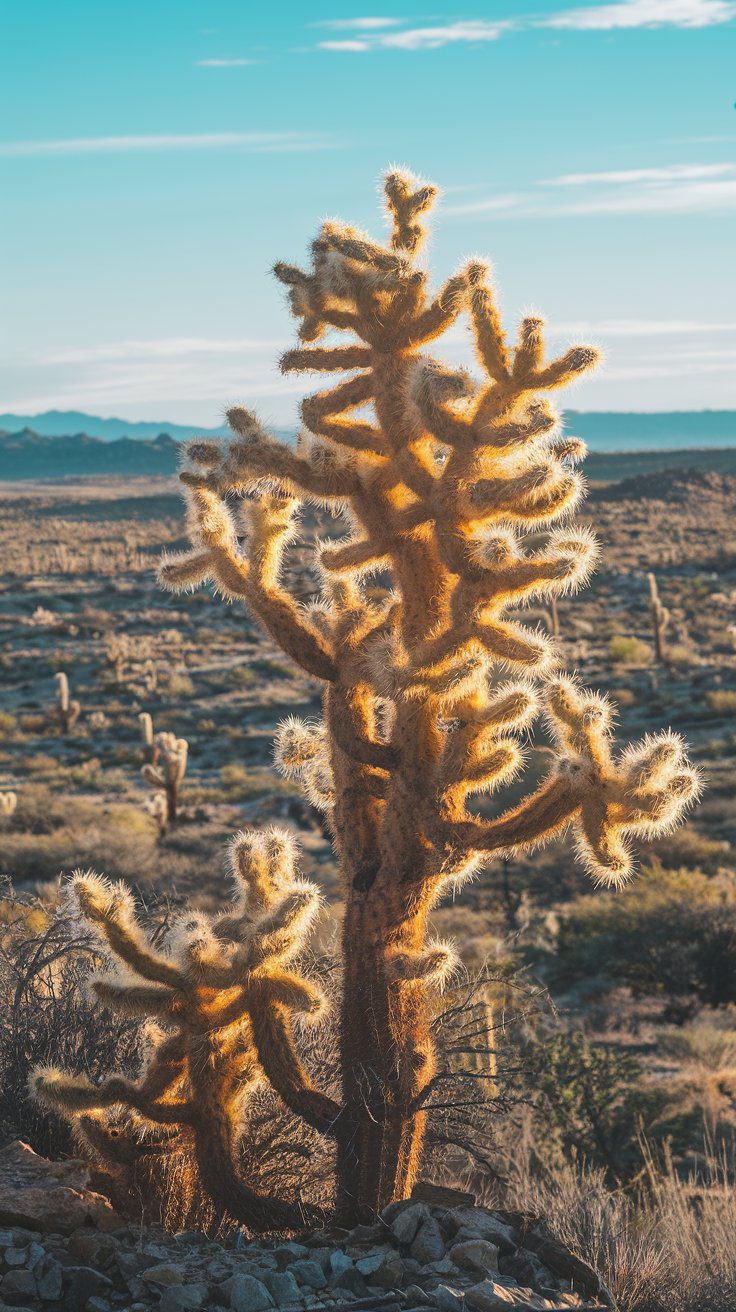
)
(393, 34)
(225, 63)
(162, 348)
(673, 189)
(644, 13)
(258, 142)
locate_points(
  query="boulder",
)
(48, 1196)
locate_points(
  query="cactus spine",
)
(440, 486)
(660, 619)
(65, 711)
(170, 754)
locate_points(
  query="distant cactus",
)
(159, 811)
(8, 804)
(150, 749)
(65, 711)
(170, 754)
(224, 993)
(660, 619)
(441, 486)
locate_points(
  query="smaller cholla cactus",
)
(170, 754)
(157, 808)
(65, 711)
(221, 997)
(8, 804)
(660, 618)
(150, 749)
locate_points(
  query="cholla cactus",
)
(430, 683)
(660, 618)
(150, 749)
(220, 997)
(170, 755)
(65, 711)
(8, 804)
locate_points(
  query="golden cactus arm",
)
(558, 373)
(490, 338)
(362, 437)
(136, 999)
(529, 352)
(350, 720)
(444, 309)
(539, 817)
(277, 1053)
(325, 359)
(110, 911)
(251, 463)
(405, 206)
(356, 556)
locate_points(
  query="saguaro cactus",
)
(222, 1000)
(660, 618)
(170, 754)
(65, 711)
(428, 683)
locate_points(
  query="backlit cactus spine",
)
(66, 712)
(429, 683)
(170, 754)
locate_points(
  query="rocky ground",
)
(64, 1249)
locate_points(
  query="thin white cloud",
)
(164, 348)
(644, 13)
(669, 173)
(225, 63)
(358, 24)
(619, 15)
(674, 189)
(259, 142)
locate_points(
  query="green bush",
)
(629, 651)
(671, 934)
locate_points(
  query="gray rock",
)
(14, 1257)
(247, 1294)
(479, 1223)
(415, 1296)
(475, 1255)
(35, 1254)
(350, 1280)
(371, 1263)
(308, 1272)
(429, 1244)
(97, 1304)
(287, 1253)
(442, 1268)
(406, 1223)
(49, 1279)
(165, 1273)
(447, 1299)
(489, 1297)
(391, 1274)
(184, 1298)
(339, 1262)
(283, 1288)
(17, 1287)
(81, 1282)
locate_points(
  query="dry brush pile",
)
(456, 493)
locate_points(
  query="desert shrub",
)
(672, 934)
(722, 700)
(46, 1016)
(591, 1101)
(692, 849)
(629, 651)
(8, 725)
(242, 676)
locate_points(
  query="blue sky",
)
(157, 158)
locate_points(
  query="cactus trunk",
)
(386, 1060)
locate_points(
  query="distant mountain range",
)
(28, 455)
(602, 430)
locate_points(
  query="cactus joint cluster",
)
(430, 683)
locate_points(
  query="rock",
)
(475, 1255)
(488, 1297)
(350, 1280)
(81, 1282)
(406, 1223)
(44, 1195)
(15, 1256)
(447, 1299)
(428, 1245)
(339, 1262)
(391, 1274)
(248, 1294)
(479, 1223)
(287, 1253)
(308, 1272)
(184, 1298)
(165, 1273)
(49, 1279)
(371, 1263)
(283, 1288)
(91, 1248)
(97, 1304)
(414, 1295)
(525, 1268)
(17, 1287)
